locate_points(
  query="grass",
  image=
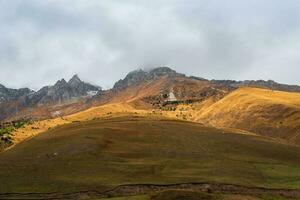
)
(266, 112)
(6, 132)
(186, 195)
(104, 153)
(103, 111)
(193, 195)
(140, 197)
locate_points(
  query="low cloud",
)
(42, 41)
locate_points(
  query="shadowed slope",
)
(100, 154)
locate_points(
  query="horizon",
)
(143, 69)
(42, 41)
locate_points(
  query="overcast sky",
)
(42, 41)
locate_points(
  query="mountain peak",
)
(75, 79)
(162, 70)
(61, 82)
(139, 75)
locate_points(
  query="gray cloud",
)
(42, 41)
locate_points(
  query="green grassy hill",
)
(101, 154)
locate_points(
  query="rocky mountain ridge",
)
(7, 94)
(270, 84)
(137, 76)
(152, 87)
(62, 92)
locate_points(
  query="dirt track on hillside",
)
(140, 189)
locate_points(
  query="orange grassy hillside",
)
(109, 110)
(267, 112)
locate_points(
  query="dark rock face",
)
(138, 76)
(81, 88)
(260, 84)
(132, 78)
(7, 94)
(63, 92)
(162, 71)
(12, 101)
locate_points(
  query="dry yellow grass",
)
(271, 113)
(108, 110)
(244, 111)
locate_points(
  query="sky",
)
(42, 41)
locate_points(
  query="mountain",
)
(62, 97)
(153, 127)
(262, 107)
(270, 84)
(7, 94)
(139, 76)
(63, 92)
(157, 85)
(160, 88)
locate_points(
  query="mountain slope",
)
(145, 89)
(7, 94)
(63, 92)
(270, 84)
(59, 99)
(162, 90)
(104, 153)
(155, 87)
(269, 113)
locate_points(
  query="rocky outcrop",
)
(138, 76)
(7, 94)
(15, 101)
(63, 92)
(270, 84)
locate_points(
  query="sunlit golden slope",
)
(250, 110)
(109, 110)
(270, 113)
